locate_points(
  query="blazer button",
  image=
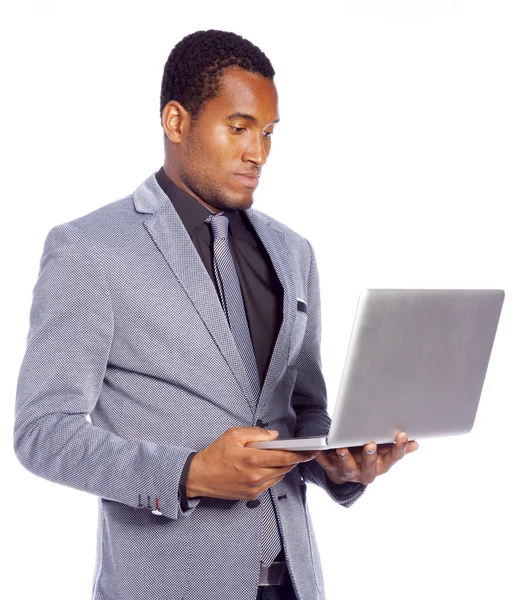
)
(253, 503)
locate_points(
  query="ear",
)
(175, 121)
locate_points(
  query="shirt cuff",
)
(184, 503)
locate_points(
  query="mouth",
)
(250, 181)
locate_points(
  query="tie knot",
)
(219, 224)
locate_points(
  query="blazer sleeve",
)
(70, 336)
(309, 395)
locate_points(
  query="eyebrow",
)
(239, 115)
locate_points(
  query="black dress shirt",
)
(261, 289)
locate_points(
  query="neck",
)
(173, 172)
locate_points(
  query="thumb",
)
(258, 434)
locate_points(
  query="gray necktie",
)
(233, 305)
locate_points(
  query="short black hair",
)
(193, 71)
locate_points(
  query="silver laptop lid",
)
(430, 388)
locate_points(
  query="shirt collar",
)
(191, 212)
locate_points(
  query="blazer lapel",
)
(171, 238)
(173, 241)
(275, 244)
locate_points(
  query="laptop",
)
(416, 362)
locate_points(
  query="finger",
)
(277, 473)
(340, 462)
(400, 447)
(396, 453)
(412, 446)
(345, 456)
(243, 435)
(278, 458)
(325, 460)
(340, 469)
(368, 463)
(346, 465)
(270, 482)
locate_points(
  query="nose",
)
(255, 151)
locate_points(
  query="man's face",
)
(223, 151)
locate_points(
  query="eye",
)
(267, 134)
(236, 129)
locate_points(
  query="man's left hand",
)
(364, 464)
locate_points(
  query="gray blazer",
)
(126, 327)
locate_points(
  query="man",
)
(187, 324)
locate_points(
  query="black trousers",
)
(276, 592)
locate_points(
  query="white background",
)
(400, 156)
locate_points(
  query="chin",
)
(238, 203)
(228, 199)
(246, 203)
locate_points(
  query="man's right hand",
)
(228, 470)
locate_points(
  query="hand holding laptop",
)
(364, 464)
